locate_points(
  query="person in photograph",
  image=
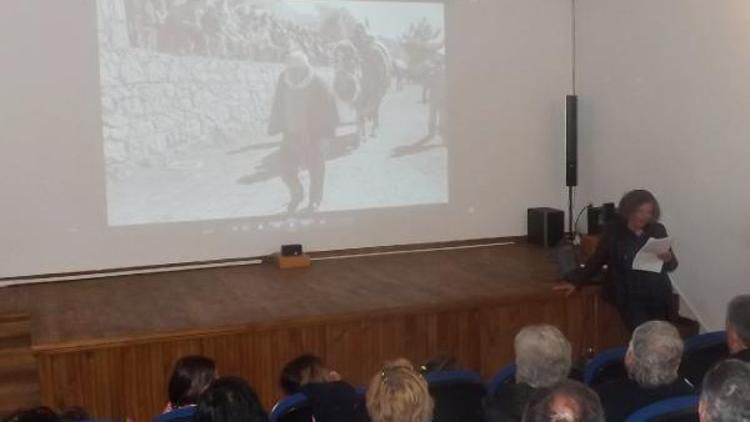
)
(304, 112)
(375, 78)
(436, 96)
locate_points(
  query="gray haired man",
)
(738, 327)
(652, 361)
(726, 393)
(543, 359)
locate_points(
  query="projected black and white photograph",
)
(215, 109)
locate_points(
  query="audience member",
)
(399, 394)
(34, 414)
(543, 358)
(738, 327)
(304, 370)
(726, 393)
(331, 398)
(652, 361)
(229, 399)
(568, 401)
(190, 377)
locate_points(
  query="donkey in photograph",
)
(362, 78)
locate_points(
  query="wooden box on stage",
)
(288, 262)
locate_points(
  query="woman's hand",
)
(564, 286)
(666, 256)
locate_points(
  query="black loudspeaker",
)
(608, 212)
(291, 250)
(593, 218)
(598, 217)
(571, 140)
(545, 226)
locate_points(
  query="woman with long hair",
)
(639, 295)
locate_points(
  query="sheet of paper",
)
(647, 259)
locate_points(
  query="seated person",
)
(568, 401)
(191, 376)
(738, 327)
(45, 414)
(303, 370)
(725, 396)
(695, 365)
(399, 394)
(229, 399)
(652, 361)
(543, 358)
(34, 414)
(331, 398)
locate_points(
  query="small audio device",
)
(291, 256)
(291, 250)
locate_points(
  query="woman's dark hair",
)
(441, 362)
(190, 377)
(34, 414)
(632, 200)
(229, 399)
(293, 373)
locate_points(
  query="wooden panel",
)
(129, 380)
(610, 326)
(19, 383)
(107, 346)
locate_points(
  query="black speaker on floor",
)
(571, 140)
(545, 226)
(599, 217)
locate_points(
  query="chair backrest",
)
(183, 414)
(507, 375)
(452, 377)
(295, 407)
(606, 366)
(702, 351)
(701, 341)
(457, 394)
(682, 408)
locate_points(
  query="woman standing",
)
(639, 295)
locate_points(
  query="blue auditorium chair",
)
(608, 365)
(457, 394)
(293, 408)
(702, 351)
(183, 414)
(676, 409)
(507, 375)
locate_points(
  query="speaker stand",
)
(571, 230)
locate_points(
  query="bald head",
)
(568, 401)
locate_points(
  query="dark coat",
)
(623, 397)
(624, 286)
(320, 104)
(508, 403)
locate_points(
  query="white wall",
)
(664, 92)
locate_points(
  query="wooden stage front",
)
(108, 344)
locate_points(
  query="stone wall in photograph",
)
(156, 106)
